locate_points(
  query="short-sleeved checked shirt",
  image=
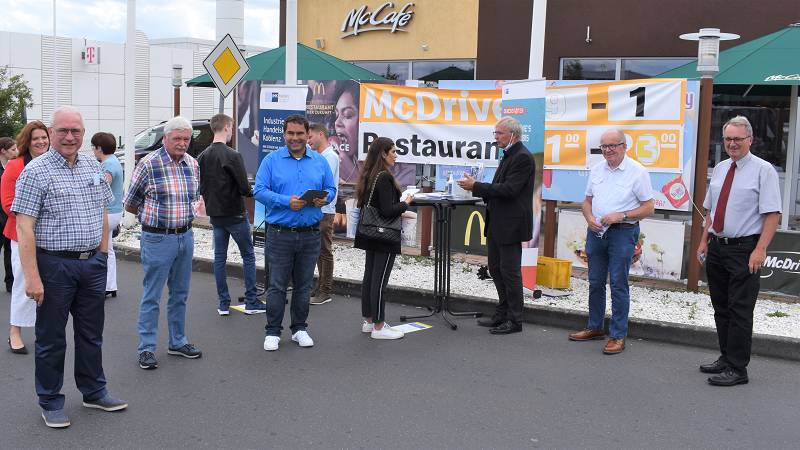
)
(67, 202)
(163, 190)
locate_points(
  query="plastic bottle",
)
(449, 187)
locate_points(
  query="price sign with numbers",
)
(651, 112)
(657, 116)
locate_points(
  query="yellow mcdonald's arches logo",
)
(481, 224)
(319, 89)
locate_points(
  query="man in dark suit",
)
(509, 222)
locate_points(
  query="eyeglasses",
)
(737, 140)
(62, 132)
(611, 146)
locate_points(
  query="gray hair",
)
(177, 123)
(512, 124)
(64, 110)
(739, 121)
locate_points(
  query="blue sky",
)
(104, 20)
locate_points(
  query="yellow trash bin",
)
(553, 272)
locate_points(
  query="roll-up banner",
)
(277, 102)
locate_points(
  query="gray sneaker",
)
(107, 403)
(55, 419)
(187, 351)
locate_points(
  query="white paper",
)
(407, 192)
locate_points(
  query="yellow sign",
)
(226, 65)
(481, 225)
(565, 148)
(655, 149)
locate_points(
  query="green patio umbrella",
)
(773, 59)
(311, 65)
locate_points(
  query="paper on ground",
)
(411, 327)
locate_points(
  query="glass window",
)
(588, 69)
(633, 69)
(148, 137)
(443, 70)
(391, 70)
(769, 116)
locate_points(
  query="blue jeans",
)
(292, 255)
(610, 257)
(241, 235)
(166, 259)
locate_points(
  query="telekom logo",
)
(362, 20)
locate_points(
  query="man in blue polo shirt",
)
(293, 238)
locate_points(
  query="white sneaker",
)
(386, 332)
(320, 300)
(271, 343)
(367, 327)
(223, 312)
(303, 339)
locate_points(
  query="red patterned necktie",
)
(722, 203)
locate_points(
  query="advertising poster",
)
(525, 101)
(659, 119)
(277, 102)
(658, 253)
(431, 126)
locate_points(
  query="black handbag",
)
(373, 225)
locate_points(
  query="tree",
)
(15, 96)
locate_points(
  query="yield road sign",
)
(226, 65)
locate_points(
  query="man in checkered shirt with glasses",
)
(62, 225)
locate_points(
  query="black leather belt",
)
(623, 225)
(158, 230)
(735, 241)
(68, 254)
(314, 227)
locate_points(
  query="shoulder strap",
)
(372, 191)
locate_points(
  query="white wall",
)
(98, 91)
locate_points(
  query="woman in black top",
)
(380, 255)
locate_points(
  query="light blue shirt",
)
(112, 166)
(280, 176)
(333, 161)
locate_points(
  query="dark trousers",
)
(505, 268)
(377, 269)
(733, 294)
(325, 261)
(5, 243)
(77, 287)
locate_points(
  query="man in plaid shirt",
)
(163, 187)
(62, 226)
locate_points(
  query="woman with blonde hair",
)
(32, 142)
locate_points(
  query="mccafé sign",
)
(383, 18)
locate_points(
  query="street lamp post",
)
(177, 70)
(708, 66)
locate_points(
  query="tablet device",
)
(311, 194)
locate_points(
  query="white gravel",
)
(413, 271)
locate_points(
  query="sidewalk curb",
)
(674, 333)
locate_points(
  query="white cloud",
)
(105, 20)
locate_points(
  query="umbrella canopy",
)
(773, 59)
(311, 65)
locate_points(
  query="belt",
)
(735, 241)
(68, 254)
(159, 230)
(314, 227)
(623, 225)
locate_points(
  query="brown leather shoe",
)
(587, 335)
(614, 346)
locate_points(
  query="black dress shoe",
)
(717, 366)
(729, 377)
(18, 351)
(489, 322)
(506, 327)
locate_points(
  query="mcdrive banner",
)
(431, 126)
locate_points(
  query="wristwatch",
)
(624, 216)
